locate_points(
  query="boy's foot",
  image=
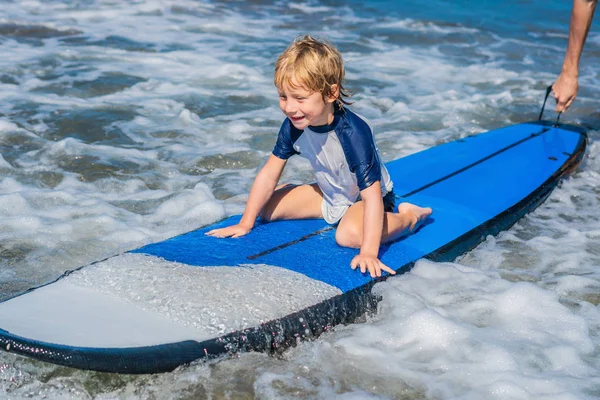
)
(417, 215)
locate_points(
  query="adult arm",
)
(262, 190)
(566, 86)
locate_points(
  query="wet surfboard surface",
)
(195, 296)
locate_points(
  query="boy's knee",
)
(348, 237)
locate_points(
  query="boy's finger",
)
(387, 269)
(363, 267)
(353, 264)
(375, 271)
(371, 271)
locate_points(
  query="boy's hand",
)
(233, 231)
(370, 263)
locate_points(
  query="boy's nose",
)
(290, 107)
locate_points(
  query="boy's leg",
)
(294, 202)
(349, 232)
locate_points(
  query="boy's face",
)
(304, 107)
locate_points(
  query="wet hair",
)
(313, 64)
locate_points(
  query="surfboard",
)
(196, 297)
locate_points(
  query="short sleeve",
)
(288, 134)
(359, 148)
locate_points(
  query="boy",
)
(353, 188)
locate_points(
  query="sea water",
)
(125, 123)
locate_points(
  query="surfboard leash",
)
(548, 90)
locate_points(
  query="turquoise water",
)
(124, 123)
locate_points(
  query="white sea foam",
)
(306, 8)
(426, 26)
(449, 331)
(9, 185)
(7, 126)
(13, 204)
(516, 319)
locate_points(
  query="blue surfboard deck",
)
(308, 246)
(477, 186)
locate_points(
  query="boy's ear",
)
(335, 93)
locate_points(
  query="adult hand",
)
(564, 91)
(233, 231)
(370, 263)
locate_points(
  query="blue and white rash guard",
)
(344, 158)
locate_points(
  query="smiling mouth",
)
(296, 119)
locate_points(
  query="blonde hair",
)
(313, 64)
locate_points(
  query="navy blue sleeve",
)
(288, 134)
(359, 148)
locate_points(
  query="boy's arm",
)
(566, 85)
(368, 258)
(262, 190)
